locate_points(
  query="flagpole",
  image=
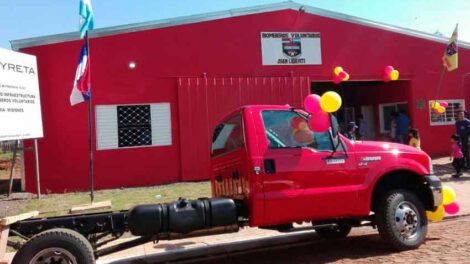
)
(90, 130)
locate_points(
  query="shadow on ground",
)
(319, 251)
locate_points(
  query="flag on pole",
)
(450, 58)
(82, 85)
(86, 17)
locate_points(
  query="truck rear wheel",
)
(56, 246)
(401, 220)
(334, 231)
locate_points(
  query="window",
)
(228, 136)
(386, 111)
(448, 117)
(288, 129)
(134, 125)
(124, 126)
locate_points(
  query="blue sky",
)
(31, 18)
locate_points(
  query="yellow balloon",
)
(394, 75)
(448, 195)
(338, 69)
(436, 105)
(330, 102)
(346, 77)
(441, 109)
(437, 215)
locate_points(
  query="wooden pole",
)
(36, 157)
(12, 169)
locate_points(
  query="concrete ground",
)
(447, 241)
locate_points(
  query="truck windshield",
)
(288, 129)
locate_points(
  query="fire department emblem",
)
(291, 46)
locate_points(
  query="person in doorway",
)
(403, 124)
(414, 138)
(351, 133)
(362, 130)
(456, 156)
(462, 127)
(393, 127)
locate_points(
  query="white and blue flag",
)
(86, 17)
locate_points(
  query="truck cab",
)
(283, 173)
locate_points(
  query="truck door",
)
(302, 178)
(228, 173)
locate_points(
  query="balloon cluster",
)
(390, 74)
(340, 75)
(320, 107)
(449, 205)
(439, 107)
(301, 132)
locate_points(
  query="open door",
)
(368, 112)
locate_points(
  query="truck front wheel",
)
(56, 246)
(401, 220)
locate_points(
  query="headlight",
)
(431, 168)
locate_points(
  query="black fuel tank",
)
(182, 217)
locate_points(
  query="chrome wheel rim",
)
(407, 220)
(53, 256)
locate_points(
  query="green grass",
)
(121, 199)
(6, 155)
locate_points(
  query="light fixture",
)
(132, 65)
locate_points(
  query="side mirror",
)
(334, 125)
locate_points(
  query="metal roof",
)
(289, 5)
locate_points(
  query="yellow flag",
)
(450, 58)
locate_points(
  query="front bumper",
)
(435, 189)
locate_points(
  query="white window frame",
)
(107, 134)
(381, 115)
(444, 123)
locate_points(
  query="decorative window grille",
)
(448, 117)
(134, 125)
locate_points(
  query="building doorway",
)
(368, 113)
(375, 100)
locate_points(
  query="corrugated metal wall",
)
(204, 101)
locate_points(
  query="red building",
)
(160, 87)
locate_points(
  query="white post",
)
(36, 157)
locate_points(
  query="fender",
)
(409, 162)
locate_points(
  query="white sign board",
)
(291, 48)
(20, 107)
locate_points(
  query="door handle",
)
(269, 166)
(235, 175)
(218, 178)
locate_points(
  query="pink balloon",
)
(387, 77)
(312, 103)
(452, 208)
(337, 79)
(342, 75)
(444, 104)
(319, 121)
(388, 69)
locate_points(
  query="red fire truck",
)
(264, 174)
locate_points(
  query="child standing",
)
(456, 156)
(351, 133)
(414, 138)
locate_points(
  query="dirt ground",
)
(447, 242)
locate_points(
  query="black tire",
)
(401, 220)
(55, 244)
(334, 231)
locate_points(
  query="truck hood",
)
(383, 147)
